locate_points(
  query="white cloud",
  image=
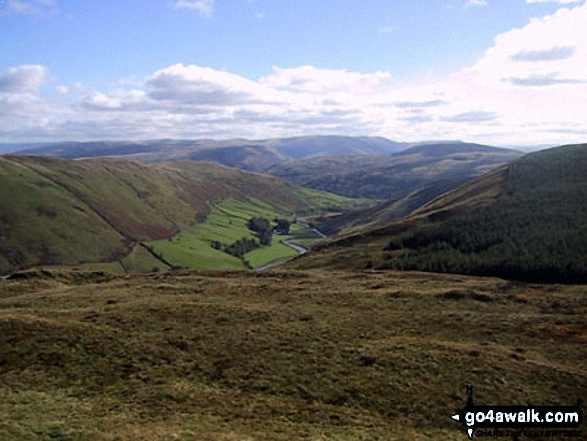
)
(30, 7)
(75, 88)
(549, 79)
(204, 86)
(477, 3)
(472, 117)
(23, 79)
(204, 7)
(454, 4)
(551, 54)
(532, 75)
(22, 107)
(314, 80)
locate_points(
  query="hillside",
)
(526, 221)
(400, 176)
(278, 355)
(57, 211)
(240, 153)
(387, 211)
(392, 177)
(245, 157)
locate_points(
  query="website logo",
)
(516, 421)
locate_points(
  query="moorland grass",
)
(278, 355)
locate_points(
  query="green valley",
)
(57, 212)
(348, 342)
(226, 224)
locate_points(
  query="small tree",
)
(283, 226)
(262, 227)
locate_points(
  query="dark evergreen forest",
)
(535, 231)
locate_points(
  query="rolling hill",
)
(392, 177)
(57, 211)
(404, 181)
(387, 211)
(400, 175)
(525, 221)
(246, 157)
(240, 153)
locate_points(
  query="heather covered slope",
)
(56, 211)
(527, 221)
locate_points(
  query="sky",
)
(497, 72)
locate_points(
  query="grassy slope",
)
(57, 211)
(140, 260)
(523, 222)
(536, 230)
(358, 249)
(385, 212)
(279, 355)
(39, 222)
(247, 157)
(277, 251)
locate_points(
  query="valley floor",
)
(278, 355)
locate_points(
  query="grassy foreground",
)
(278, 355)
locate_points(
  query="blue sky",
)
(503, 72)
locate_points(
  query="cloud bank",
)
(528, 88)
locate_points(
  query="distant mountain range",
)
(239, 153)
(523, 218)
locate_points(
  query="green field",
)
(265, 255)
(299, 235)
(226, 224)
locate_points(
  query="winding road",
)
(301, 250)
